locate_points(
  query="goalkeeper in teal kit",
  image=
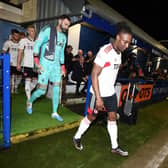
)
(50, 43)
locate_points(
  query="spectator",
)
(68, 58)
(78, 73)
(89, 62)
(77, 57)
(140, 73)
(148, 69)
(68, 67)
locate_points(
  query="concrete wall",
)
(29, 10)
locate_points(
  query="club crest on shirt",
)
(60, 43)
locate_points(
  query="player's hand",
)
(18, 68)
(85, 79)
(63, 74)
(40, 69)
(63, 70)
(100, 104)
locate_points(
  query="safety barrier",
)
(5, 101)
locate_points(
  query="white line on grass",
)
(158, 158)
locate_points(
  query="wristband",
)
(36, 61)
(63, 68)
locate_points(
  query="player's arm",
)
(97, 68)
(36, 61)
(21, 47)
(95, 84)
(94, 76)
(42, 37)
(3, 51)
(19, 58)
(62, 59)
(5, 47)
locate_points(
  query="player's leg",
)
(41, 90)
(55, 78)
(77, 86)
(28, 87)
(16, 78)
(12, 79)
(55, 101)
(34, 80)
(12, 83)
(111, 108)
(17, 81)
(85, 123)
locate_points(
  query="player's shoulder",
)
(107, 48)
(8, 41)
(23, 40)
(45, 28)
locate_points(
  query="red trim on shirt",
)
(108, 48)
(107, 64)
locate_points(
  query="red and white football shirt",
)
(110, 61)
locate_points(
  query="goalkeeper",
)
(51, 41)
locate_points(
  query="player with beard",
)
(51, 62)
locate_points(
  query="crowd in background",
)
(78, 67)
(141, 66)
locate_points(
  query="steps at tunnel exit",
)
(73, 99)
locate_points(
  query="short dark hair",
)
(122, 27)
(69, 46)
(31, 26)
(64, 17)
(22, 33)
(14, 31)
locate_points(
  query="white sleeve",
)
(99, 60)
(21, 44)
(6, 46)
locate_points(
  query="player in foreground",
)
(103, 96)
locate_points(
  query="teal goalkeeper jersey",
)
(42, 44)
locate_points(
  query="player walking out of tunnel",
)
(11, 46)
(25, 59)
(52, 41)
(103, 96)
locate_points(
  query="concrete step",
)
(73, 99)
